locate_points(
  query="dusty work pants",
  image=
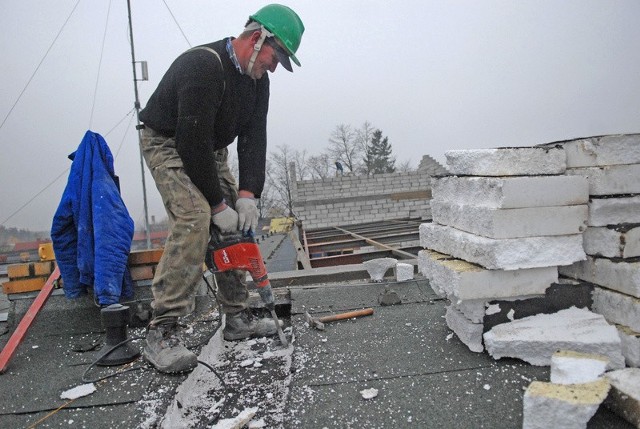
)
(180, 267)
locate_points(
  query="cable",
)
(95, 91)
(38, 67)
(176, 21)
(108, 352)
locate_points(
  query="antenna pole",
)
(137, 106)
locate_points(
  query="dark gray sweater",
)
(205, 105)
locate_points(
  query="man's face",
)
(265, 61)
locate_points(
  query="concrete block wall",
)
(347, 200)
(505, 213)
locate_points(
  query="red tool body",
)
(243, 253)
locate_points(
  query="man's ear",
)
(255, 36)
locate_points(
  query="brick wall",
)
(348, 200)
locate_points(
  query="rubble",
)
(624, 398)
(534, 339)
(567, 406)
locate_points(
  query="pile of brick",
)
(502, 224)
(612, 240)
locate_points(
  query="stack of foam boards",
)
(612, 240)
(502, 224)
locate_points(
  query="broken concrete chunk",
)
(468, 332)
(404, 272)
(503, 254)
(624, 398)
(459, 280)
(510, 223)
(621, 276)
(511, 192)
(617, 307)
(569, 367)
(568, 406)
(378, 267)
(630, 345)
(534, 339)
(389, 297)
(516, 161)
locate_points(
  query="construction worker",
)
(211, 95)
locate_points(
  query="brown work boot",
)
(239, 326)
(164, 350)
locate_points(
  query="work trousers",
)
(189, 213)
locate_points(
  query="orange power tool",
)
(241, 252)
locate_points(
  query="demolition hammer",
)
(243, 253)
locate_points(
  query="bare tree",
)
(404, 167)
(343, 147)
(320, 166)
(279, 177)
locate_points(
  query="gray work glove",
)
(226, 220)
(247, 214)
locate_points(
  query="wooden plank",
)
(24, 285)
(142, 257)
(21, 331)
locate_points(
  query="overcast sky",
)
(432, 75)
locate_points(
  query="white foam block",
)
(511, 192)
(614, 241)
(404, 272)
(613, 211)
(516, 161)
(460, 280)
(610, 180)
(602, 150)
(617, 307)
(378, 267)
(468, 332)
(619, 275)
(503, 254)
(624, 399)
(511, 223)
(535, 338)
(547, 405)
(569, 367)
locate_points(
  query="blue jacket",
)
(92, 230)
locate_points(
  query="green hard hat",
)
(284, 23)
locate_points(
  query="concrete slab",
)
(511, 223)
(601, 150)
(460, 280)
(614, 210)
(611, 179)
(619, 275)
(511, 192)
(516, 161)
(613, 241)
(502, 254)
(534, 339)
(617, 307)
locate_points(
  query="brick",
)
(141, 257)
(512, 192)
(142, 272)
(24, 285)
(516, 161)
(503, 254)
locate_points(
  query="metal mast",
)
(137, 106)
